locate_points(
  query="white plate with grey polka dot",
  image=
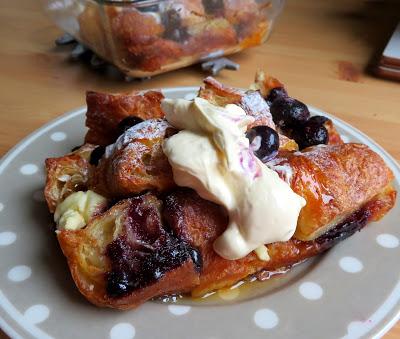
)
(351, 291)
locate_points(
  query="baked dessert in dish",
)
(144, 38)
(188, 197)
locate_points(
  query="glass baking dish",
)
(148, 37)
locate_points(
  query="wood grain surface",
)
(322, 51)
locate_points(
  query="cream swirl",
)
(211, 155)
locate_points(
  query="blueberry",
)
(213, 7)
(118, 283)
(96, 155)
(289, 112)
(318, 119)
(275, 93)
(264, 141)
(197, 259)
(127, 123)
(174, 30)
(169, 132)
(176, 34)
(310, 134)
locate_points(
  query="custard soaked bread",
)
(147, 237)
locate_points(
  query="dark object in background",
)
(389, 63)
(215, 66)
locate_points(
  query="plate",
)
(351, 291)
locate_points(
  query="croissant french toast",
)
(66, 175)
(131, 233)
(105, 111)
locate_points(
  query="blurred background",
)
(325, 52)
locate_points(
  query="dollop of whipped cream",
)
(211, 155)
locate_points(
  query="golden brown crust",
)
(137, 165)
(345, 185)
(67, 174)
(209, 35)
(85, 251)
(335, 181)
(197, 222)
(241, 11)
(141, 164)
(140, 41)
(134, 32)
(90, 279)
(136, 28)
(252, 103)
(153, 56)
(334, 136)
(218, 94)
(181, 32)
(105, 111)
(264, 83)
(200, 223)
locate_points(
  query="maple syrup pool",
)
(248, 289)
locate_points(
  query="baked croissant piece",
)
(150, 238)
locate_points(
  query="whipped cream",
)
(211, 155)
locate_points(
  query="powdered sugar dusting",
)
(254, 105)
(282, 167)
(326, 198)
(316, 151)
(320, 154)
(148, 129)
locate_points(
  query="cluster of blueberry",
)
(292, 117)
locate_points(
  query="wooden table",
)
(321, 49)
